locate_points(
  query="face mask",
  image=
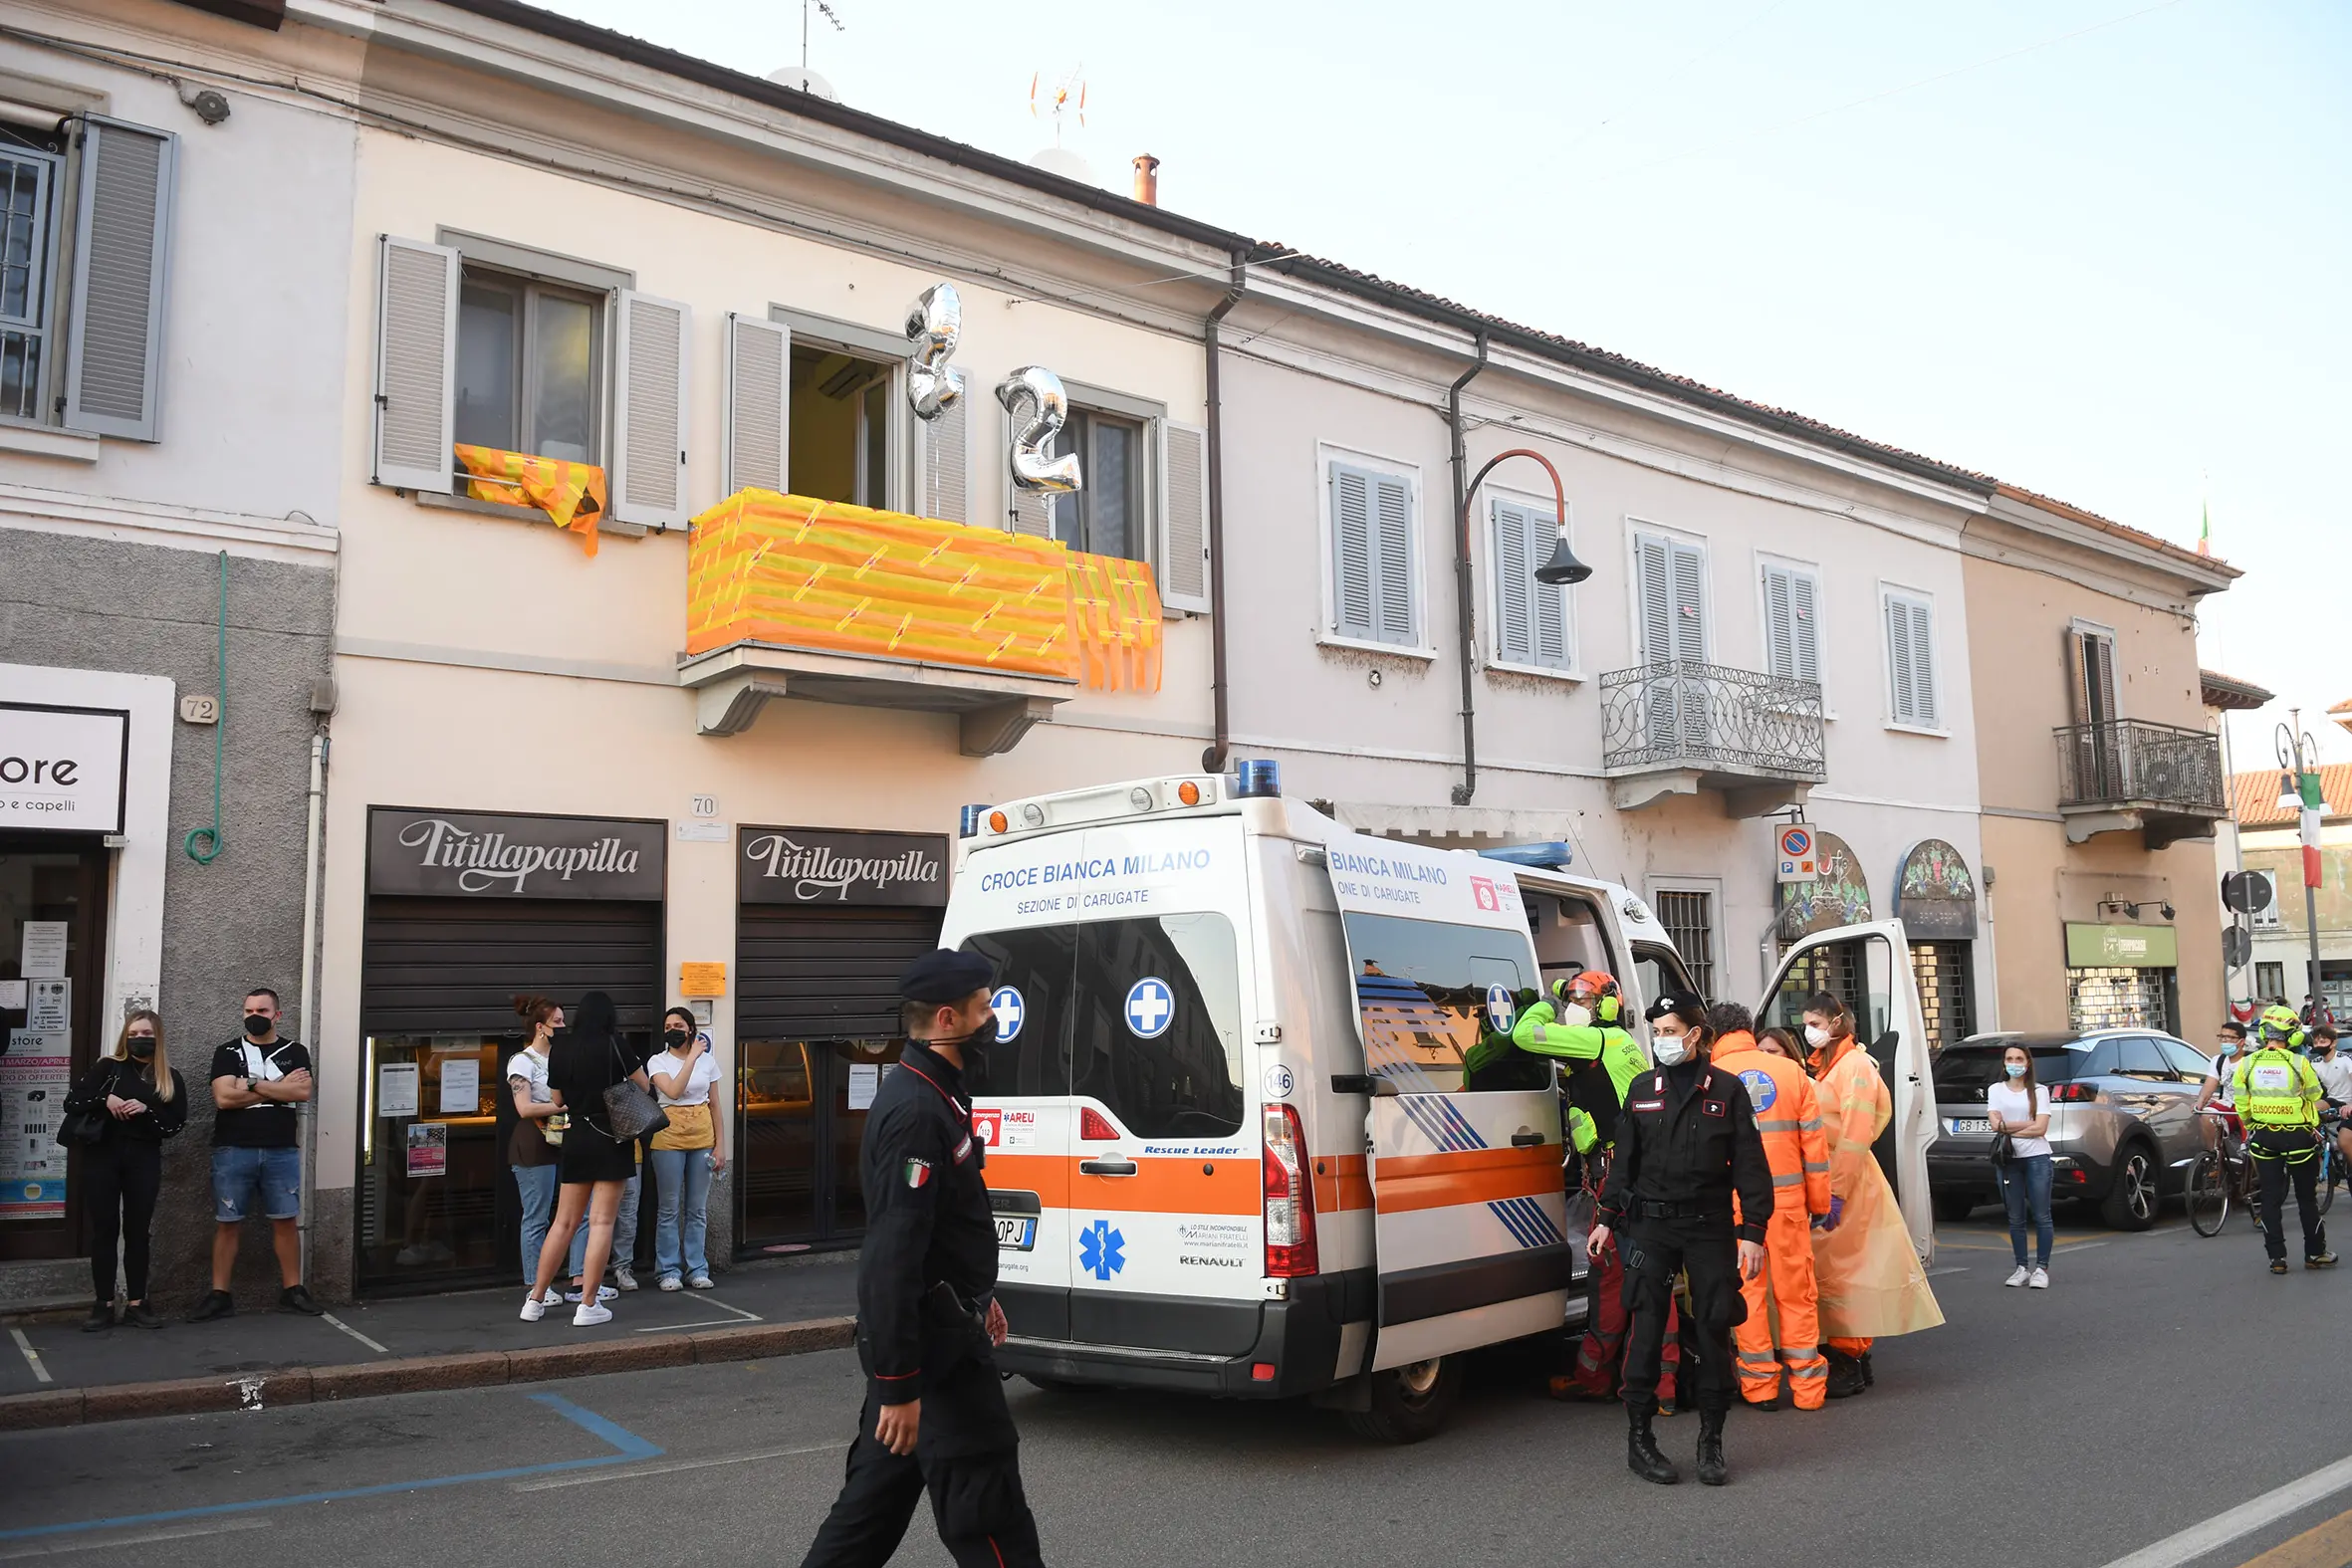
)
(675, 1039)
(256, 1023)
(1671, 1049)
(142, 1047)
(979, 1040)
(1576, 1015)
(2015, 1070)
(1816, 1036)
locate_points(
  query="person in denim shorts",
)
(257, 1081)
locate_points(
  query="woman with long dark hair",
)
(594, 1164)
(531, 1155)
(144, 1102)
(2019, 1109)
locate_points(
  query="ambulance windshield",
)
(1422, 989)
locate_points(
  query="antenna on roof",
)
(829, 14)
(1068, 98)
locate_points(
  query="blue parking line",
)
(629, 1446)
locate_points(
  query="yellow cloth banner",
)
(571, 494)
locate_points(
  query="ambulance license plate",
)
(1970, 1124)
(1018, 1231)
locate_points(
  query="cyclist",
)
(2277, 1096)
(2335, 1085)
(2217, 1091)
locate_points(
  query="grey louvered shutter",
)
(122, 278)
(1184, 516)
(758, 412)
(649, 423)
(1902, 674)
(1353, 594)
(1690, 603)
(417, 295)
(947, 457)
(1779, 594)
(1392, 535)
(1923, 664)
(1806, 625)
(1026, 510)
(1515, 599)
(1653, 568)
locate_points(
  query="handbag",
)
(85, 1129)
(2000, 1151)
(630, 1111)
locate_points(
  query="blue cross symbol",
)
(1499, 1009)
(1101, 1251)
(1150, 1008)
(1007, 1003)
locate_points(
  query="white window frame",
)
(1763, 617)
(900, 481)
(1635, 525)
(1152, 415)
(1327, 453)
(1889, 591)
(1542, 506)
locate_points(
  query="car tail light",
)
(1093, 1126)
(2073, 1093)
(1290, 1197)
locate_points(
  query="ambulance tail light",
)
(1094, 1127)
(1290, 1197)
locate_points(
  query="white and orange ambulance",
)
(1229, 1146)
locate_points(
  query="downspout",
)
(1213, 760)
(1462, 593)
(309, 976)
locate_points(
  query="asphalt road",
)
(2161, 1382)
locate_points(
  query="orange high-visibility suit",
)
(1866, 1269)
(1788, 1116)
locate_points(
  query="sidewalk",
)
(52, 1374)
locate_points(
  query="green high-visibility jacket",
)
(2275, 1088)
(1540, 1031)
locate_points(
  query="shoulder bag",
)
(630, 1111)
(88, 1128)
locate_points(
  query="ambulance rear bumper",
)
(1297, 1350)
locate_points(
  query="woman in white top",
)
(2021, 1108)
(529, 1154)
(688, 1152)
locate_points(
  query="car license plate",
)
(1970, 1124)
(1018, 1231)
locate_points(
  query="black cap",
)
(944, 976)
(1670, 1002)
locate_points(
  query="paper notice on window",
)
(11, 995)
(395, 1089)
(865, 1079)
(44, 954)
(428, 1149)
(33, 1087)
(461, 1085)
(49, 1006)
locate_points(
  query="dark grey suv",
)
(2123, 1124)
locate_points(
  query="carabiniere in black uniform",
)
(1686, 1143)
(926, 1275)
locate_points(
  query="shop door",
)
(438, 1201)
(1944, 974)
(53, 944)
(815, 1028)
(2119, 998)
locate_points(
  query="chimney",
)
(1147, 179)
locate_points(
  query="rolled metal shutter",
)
(803, 974)
(454, 965)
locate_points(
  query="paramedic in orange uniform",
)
(1782, 1327)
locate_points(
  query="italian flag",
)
(2308, 786)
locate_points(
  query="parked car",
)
(2123, 1124)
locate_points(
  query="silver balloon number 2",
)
(933, 326)
(1035, 468)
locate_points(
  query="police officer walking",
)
(928, 1322)
(1686, 1142)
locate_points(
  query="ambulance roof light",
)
(967, 824)
(1552, 857)
(1257, 777)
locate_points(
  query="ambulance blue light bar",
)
(1554, 856)
(1257, 777)
(967, 824)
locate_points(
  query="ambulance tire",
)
(1410, 1403)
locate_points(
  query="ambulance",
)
(1229, 1149)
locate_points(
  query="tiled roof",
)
(2256, 796)
(2122, 530)
(2227, 690)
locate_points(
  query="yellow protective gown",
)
(1869, 1277)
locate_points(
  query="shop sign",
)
(1935, 897)
(1837, 895)
(478, 854)
(62, 769)
(823, 865)
(2122, 946)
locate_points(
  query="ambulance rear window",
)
(1421, 990)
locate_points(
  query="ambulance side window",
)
(1421, 990)
(1156, 1020)
(1034, 974)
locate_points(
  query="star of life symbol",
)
(1150, 1008)
(1499, 1009)
(1103, 1252)
(1007, 1003)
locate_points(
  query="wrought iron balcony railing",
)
(2130, 761)
(1737, 724)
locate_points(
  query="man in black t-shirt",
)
(257, 1081)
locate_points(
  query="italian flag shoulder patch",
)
(918, 1171)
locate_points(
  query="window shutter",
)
(417, 289)
(2094, 677)
(1515, 607)
(1652, 567)
(1026, 510)
(947, 457)
(759, 409)
(1779, 594)
(122, 273)
(1551, 605)
(1352, 551)
(649, 431)
(1184, 516)
(1690, 606)
(1911, 660)
(1923, 662)
(1392, 519)
(1806, 625)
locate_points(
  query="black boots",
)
(1846, 1376)
(1641, 1450)
(1712, 1469)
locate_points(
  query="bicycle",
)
(2221, 1176)
(2331, 1161)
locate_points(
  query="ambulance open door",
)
(1868, 968)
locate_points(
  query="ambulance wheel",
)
(1410, 1403)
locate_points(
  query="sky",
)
(2097, 248)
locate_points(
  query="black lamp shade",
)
(1563, 567)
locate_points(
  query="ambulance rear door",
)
(1868, 968)
(1470, 1213)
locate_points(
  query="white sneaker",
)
(2040, 1279)
(2017, 1278)
(624, 1279)
(702, 1282)
(671, 1283)
(532, 1310)
(603, 1293)
(586, 1316)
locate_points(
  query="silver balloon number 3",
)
(934, 326)
(1035, 468)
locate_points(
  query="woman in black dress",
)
(144, 1102)
(594, 1165)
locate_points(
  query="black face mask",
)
(675, 1039)
(142, 1047)
(258, 1024)
(975, 1043)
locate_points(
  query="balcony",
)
(1677, 727)
(2127, 775)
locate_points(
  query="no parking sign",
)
(1799, 856)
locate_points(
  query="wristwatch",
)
(249, 1088)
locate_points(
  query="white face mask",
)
(1816, 1036)
(1576, 1016)
(1669, 1049)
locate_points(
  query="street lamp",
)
(2293, 745)
(1564, 568)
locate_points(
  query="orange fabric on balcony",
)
(1116, 605)
(571, 494)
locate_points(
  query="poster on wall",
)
(32, 1163)
(428, 1149)
(1838, 895)
(49, 1007)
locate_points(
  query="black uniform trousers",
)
(1655, 1250)
(2284, 1154)
(121, 1179)
(976, 1498)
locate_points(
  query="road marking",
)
(2327, 1546)
(2081, 1247)
(2248, 1517)
(1970, 1246)
(1955, 1268)
(355, 1333)
(672, 1466)
(741, 1316)
(141, 1538)
(32, 1355)
(628, 1446)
